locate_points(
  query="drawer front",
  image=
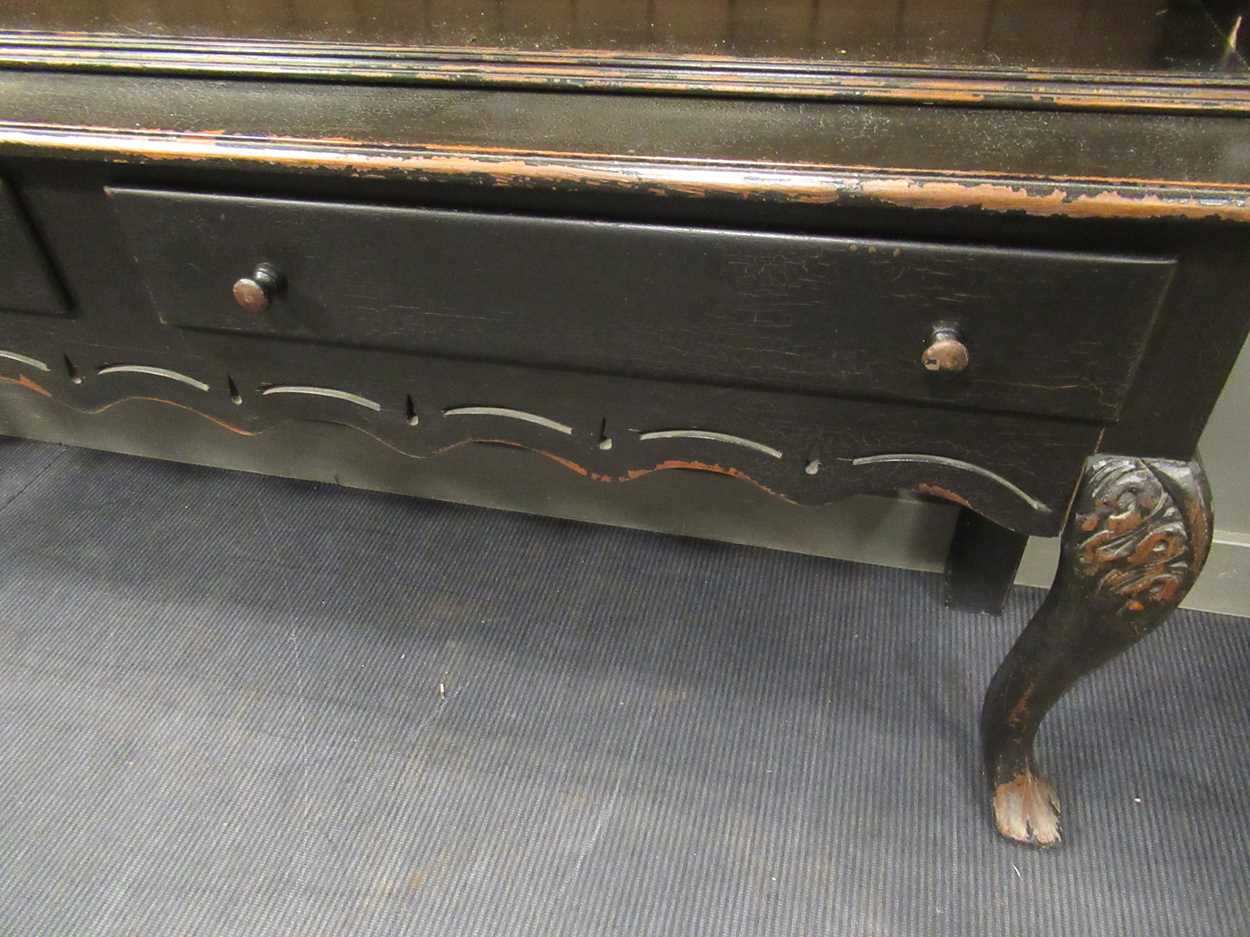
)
(1047, 332)
(27, 283)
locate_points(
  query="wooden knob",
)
(255, 293)
(946, 354)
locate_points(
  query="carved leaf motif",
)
(1137, 545)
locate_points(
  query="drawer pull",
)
(255, 293)
(946, 354)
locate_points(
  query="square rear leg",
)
(981, 564)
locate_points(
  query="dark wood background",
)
(1118, 35)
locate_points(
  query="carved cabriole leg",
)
(1135, 542)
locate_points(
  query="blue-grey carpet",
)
(233, 705)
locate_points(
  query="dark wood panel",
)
(1195, 346)
(68, 199)
(1121, 92)
(1118, 35)
(1077, 164)
(1049, 332)
(607, 429)
(27, 282)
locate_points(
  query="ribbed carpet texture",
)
(234, 705)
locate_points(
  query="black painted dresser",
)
(987, 252)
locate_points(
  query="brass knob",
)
(946, 354)
(255, 293)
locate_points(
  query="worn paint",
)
(1074, 197)
(934, 490)
(631, 475)
(1021, 716)
(615, 71)
(1026, 809)
(30, 384)
(230, 427)
(692, 466)
(512, 443)
(1058, 201)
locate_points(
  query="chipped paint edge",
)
(811, 184)
(591, 69)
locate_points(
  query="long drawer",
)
(1047, 332)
